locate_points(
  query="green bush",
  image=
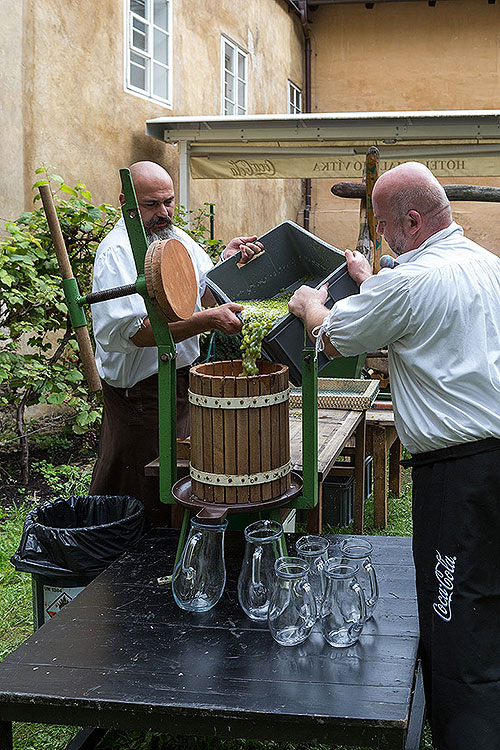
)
(39, 357)
(37, 364)
(194, 223)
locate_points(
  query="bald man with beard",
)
(438, 311)
(126, 353)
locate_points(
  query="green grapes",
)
(259, 316)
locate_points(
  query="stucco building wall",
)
(273, 39)
(11, 109)
(66, 106)
(404, 57)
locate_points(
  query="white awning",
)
(463, 143)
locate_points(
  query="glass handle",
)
(361, 597)
(188, 553)
(373, 582)
(299, 590)
(256, 565)
(310, 606)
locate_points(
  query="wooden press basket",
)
(240, 444)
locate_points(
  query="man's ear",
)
(414, 221)
(121, 198)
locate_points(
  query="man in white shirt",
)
(438, 311)
(126, 353)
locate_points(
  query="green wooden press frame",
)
(167, 374)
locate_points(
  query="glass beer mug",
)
(256, 579)
(314, 550)
(343, 612)
(292, 609)
(200, 575)
(358, 552)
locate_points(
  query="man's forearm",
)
(314, 316)
(180, 330)
(198, 323)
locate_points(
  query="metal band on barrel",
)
(239, 480)
(238, 402)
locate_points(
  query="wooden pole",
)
(372, 172)
(80, 325)
(363, 245)
(484, 193)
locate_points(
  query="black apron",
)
(128, 440)
(456, 548)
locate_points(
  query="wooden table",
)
(335, 428)
(382, 442)
(123, 655)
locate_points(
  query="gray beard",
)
(164, 233)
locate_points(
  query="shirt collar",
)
(437, 237)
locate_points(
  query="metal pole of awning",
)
(184, 177)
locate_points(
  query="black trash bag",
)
(78, 535)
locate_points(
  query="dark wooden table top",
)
(123, 655)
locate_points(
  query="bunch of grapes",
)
(259, 316)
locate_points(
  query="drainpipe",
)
(307, 97)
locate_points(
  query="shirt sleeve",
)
(379, 315)
(116, 321)
(204, 263)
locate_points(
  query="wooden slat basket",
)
(240, 443)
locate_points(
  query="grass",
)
(16, 624)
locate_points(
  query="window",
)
(234, 79)
(294, 99)
(149, 49)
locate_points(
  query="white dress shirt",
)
(438, 312)
(119, 361)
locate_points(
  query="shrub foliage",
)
(39, 360)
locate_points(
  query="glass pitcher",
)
(343, 612)
(314, 550)
(292, 609)
(200, 575)
(358, 552)
(256, 579)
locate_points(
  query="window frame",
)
(237, 50)
(129, 49)
(293, 90)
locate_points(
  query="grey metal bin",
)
(292, 257)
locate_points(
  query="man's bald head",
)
(148, 171)
(411, 199)
(154, 190)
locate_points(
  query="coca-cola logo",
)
(445, 574)
(245, 168)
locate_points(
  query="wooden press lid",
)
(170, 280)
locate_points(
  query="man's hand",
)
(305, 298)
(358, 267)
(247, 245)
(224, 318)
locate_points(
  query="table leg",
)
(359, 477)
(379, 477)
(87, 739)
(417, 713)
(314, 521)
(177, 516)
(6, 735)
(395, 467)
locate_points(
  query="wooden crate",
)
(341, 393)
